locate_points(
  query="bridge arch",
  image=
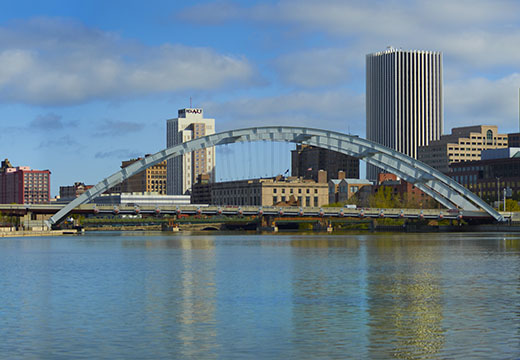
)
(434, 183)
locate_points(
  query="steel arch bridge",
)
(437, 185)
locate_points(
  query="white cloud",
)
(480, 101)
(335, 110)
(316, 68)
(111, 128)
(52, 61)
(117, 154)
(479, 33)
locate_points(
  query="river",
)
(248, 296)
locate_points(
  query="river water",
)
(248, 296)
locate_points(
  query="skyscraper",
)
(403, 100)
(183, 170)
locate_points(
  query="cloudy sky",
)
(87, 84)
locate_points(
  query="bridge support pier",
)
(267, 223)
(33, 221)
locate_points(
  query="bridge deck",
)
(255, 210)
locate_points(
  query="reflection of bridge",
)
(440, 187)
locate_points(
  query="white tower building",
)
(182, 171)
(403, 100)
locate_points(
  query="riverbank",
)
(36, 233)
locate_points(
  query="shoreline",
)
(28, 233)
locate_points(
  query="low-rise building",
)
(142, 199)
(264, 192)
(342, 189)
(22, 185)
(69, 193)
(462, 145)
(403, 193)
(499, 169)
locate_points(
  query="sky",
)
(87, 84)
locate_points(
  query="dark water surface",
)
(165, 296)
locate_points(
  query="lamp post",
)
(498, 193)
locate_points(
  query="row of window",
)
(307, 200)
(228, 192)
(451, 155)
(469, 168)
(291, 191)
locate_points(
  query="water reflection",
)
(405, 299)
(329, 304)
(197, 317)
(289, 296)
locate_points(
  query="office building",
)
(21, 185)
(307, 161)
(150, 180)
(404, 108)
(463, 144)
(278, 191)
(183, 170)
(513, 139)
(498, 169)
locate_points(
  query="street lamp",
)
(498, 192)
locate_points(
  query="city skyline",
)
(87, 85)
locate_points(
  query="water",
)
(406, 296)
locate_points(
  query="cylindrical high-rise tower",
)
(403, 100)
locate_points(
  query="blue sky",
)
(87, 84)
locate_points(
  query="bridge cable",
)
(228, 167)
(249, 159)
(272, 158)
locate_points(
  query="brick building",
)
(21, 185)
(401, 190)
(307, 161)
(68, 193)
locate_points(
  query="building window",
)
(489, 137)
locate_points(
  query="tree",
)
(384, 198)
(512, 205)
